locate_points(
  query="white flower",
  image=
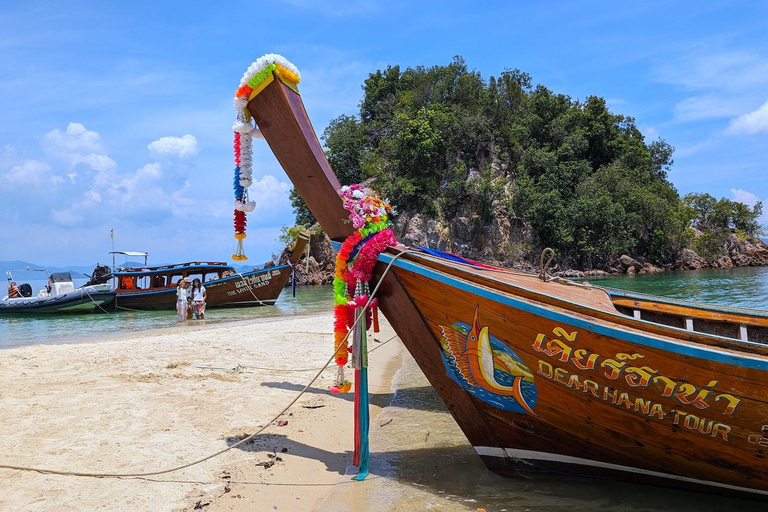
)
(240, 102)
(242, 127)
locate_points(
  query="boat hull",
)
(606, 400)
(249, 289)
(82, 300)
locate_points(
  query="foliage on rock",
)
(498, 169)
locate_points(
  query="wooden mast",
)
(283, 121)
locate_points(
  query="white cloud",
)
(742, 196)
(76, 140)
(174, 146)
(702, 68)
(750, 199)
(708, 106)
(31, 172)
(273, 204)
(101, 163)
(92, 196)
(686, 151)
(751, 122)
(650, 132)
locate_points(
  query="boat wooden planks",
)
(615, 412)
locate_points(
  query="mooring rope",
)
(556, 279)
(248, 286)
(92, 300)
(239, 443)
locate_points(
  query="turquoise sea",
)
(18, 330)
(745, 287)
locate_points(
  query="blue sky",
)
(118, 115)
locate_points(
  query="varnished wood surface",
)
(577, 424)
(283, 121)
(590, 301)
(689, 311)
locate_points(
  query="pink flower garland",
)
(370, 218)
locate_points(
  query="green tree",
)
(442, 141)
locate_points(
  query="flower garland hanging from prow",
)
(257, 76)
(354, 265)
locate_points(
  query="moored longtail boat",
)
(154, 287)
(544, 376)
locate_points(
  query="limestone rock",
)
(689, 260)
(628, 262)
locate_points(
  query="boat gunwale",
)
(761, 313)
(172, 288)
(656, 336)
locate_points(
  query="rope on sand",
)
(216, 454)
(238, 368)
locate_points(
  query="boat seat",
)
(25, 290)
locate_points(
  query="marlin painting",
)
(477, 363)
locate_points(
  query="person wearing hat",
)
(182, 299)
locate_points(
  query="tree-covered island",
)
(498, 169)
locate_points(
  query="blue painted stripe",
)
(149, 271)
(699, 351)
(193, 267)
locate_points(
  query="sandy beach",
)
(160, 399)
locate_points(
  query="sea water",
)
(25, 329)
(420, 459)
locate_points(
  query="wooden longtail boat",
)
(155, 287)
(549, 377)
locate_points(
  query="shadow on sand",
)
(420, 398)
(458, 475)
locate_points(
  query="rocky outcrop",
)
(317, 267)
(504, 242)
(416, 230)
(747, 253)
(750, 252)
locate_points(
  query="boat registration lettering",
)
(629, 368)
(249, 283)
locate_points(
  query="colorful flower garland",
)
(256, 77)
(354, 264)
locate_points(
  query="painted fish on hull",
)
(486, 367)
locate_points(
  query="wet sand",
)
(160, 399)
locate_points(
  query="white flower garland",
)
(262, 63)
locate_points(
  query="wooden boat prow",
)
(591, 382)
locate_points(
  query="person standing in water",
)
(182, 299)
(198, 299)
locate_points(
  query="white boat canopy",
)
(129, 253)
